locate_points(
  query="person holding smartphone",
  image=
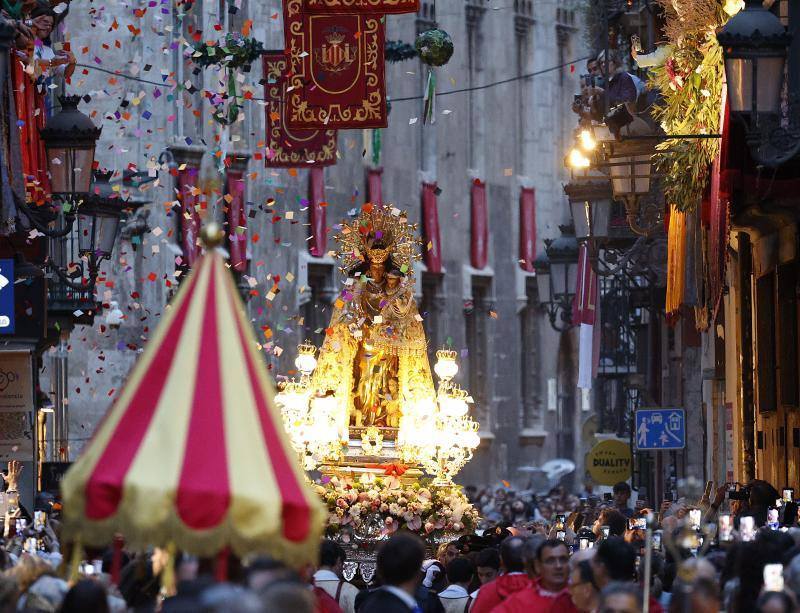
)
(622, 494)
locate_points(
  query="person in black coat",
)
(399, 563)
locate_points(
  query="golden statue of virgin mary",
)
(374, 357)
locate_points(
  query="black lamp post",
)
(98, 218)
(590, 204)
(755, 45)
(556, 277)
(98, 221)
(70, 138)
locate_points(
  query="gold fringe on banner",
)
(676, 262)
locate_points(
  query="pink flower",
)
(415, 523)
(429, 527)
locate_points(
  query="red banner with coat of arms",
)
(288, 147)
(336, 70)
(329, 7)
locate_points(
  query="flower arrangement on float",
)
(373, 507)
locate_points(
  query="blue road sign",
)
(660, 429)
(6, 296)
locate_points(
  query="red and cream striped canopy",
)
(193, 452)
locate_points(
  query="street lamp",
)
(98, 217)
(556, 277)
(755, 45)
(98, 221)
(590, 205)
(70, 138)
(630, 167)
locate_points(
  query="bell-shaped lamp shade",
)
(97, 227)
(591, 218)
(630, 175)
(754, 44)
(70, 138)
(765, 74)
(542, 268)
(563, 256)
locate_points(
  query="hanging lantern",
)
(70, 138)
(754, 43)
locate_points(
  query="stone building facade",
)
(511, 137)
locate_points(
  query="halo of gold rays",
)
(383, 225)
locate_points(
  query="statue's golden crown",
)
(379, 233)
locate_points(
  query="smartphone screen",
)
(773, 518)
(657, 540)
(747, 528)
(695, 516)
(31, 544)
(39, 520)
(605, 531)
(788, 494)
(773, 577)
(583, 543)
(561, 535)
(637, 523)
(725, 528)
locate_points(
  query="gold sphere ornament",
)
(212, 235)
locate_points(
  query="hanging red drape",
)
(479, 221)
(374, 185)
(527, 228)
(430, 225)
(32, 114)
(190, 217)
(237, 219)
(316, 212)
(722, 181)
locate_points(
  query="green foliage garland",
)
(690, 83)
(232, 53)
(235, 51)
(398, 51)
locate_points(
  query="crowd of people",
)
(735, 549)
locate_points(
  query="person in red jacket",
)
(549, 565)
(512, 580)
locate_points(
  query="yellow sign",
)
(609, 462)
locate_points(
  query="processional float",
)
(365, 412)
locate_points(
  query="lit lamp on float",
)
(311, 417)
(306, 360)
(446, 366)
(454, 436)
